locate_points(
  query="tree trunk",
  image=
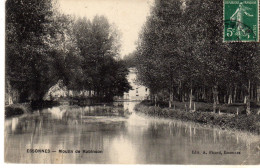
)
(190, 98)
(230, 98)
(155, 99)
(248, 99)
(252, 97)
(179, 91)
(215, 95)
(204, 94)
(254, 91)
(235, 94)
(171, 99)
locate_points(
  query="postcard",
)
(169, 82)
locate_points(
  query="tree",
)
(130, 59)
(27, 57)
(159, 56)
(40, 48)
(181, 49)
(98, 44)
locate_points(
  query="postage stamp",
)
(241, 21)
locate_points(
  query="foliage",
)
(130, 59)
(44, 46)
(103, 72)
(27, 56)
(181, 50)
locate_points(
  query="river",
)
(117, 134)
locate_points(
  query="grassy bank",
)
(249, 123)
(233, 108)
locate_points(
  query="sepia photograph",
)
(158, 82)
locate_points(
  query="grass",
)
(207, 107)
(249, 123)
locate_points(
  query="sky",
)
(128, 16)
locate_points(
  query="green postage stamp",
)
(241, 20)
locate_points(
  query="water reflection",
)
(123, 136)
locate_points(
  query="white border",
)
(3, 165)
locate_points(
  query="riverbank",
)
(244, 122)
(17, 109)
(29, 107)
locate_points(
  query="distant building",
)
(139, 92)
(56, 91)
(59, 90)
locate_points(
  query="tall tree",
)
(98, 42)
(181, 49)
(27, 56)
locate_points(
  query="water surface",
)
(116, 134)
